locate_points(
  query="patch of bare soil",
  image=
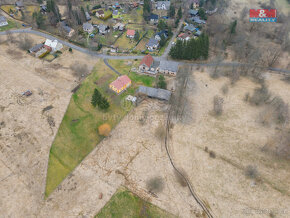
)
(28, 125)
(223, 155)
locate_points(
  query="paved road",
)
(113, 69)
(103, 56)
(68, 44)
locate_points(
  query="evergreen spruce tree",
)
(179, 13)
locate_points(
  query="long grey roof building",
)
(161, 94)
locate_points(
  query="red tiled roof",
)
(181, 34)
(147, 60)
(130, 32)
(121, 82)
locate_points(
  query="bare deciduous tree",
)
(79, 70)
(155, 185)
(25, 42)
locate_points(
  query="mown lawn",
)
(125, 204)
(137, 79)
(77, 135)
(125, 43)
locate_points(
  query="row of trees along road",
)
(192, 49)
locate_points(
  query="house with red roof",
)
(130, 34)
(148, 65)
(120, 84)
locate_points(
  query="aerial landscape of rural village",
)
(145, 108)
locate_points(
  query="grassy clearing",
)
(11, 25)
(125, 204)
(77, 135)
(125, 43)
(135, 16)
(137, 79)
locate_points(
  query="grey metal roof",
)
(102, 27)
(65, 27)
(190, 27)
(19, 4)
(3, 19)
(36, 48)
(193, 12)
(169, 65)
(87, 26)
(198, 20)
(161, 94)
(152, 42)
(165, 3)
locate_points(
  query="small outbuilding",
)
(3, 21)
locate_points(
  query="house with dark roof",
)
(119, 26)
(163, 5)
(168, 68)
(88, 27)
(152, 44)
(19, 5)
(100, 14)
(161, 94)
(189, 27)
(43, 8)
(120, 84)
(193, 12)
(69, 31)
(35, 48)
(103, 29)
(154, 18)
(3, 21)
(197, 20)
(163, 33)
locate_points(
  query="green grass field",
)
(137, 79)
(124, 204)
(77, 135)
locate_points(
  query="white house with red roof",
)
(130, 34)
(120, 84)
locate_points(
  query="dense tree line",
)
(192, 49)
(147, 9)
(98, 99)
